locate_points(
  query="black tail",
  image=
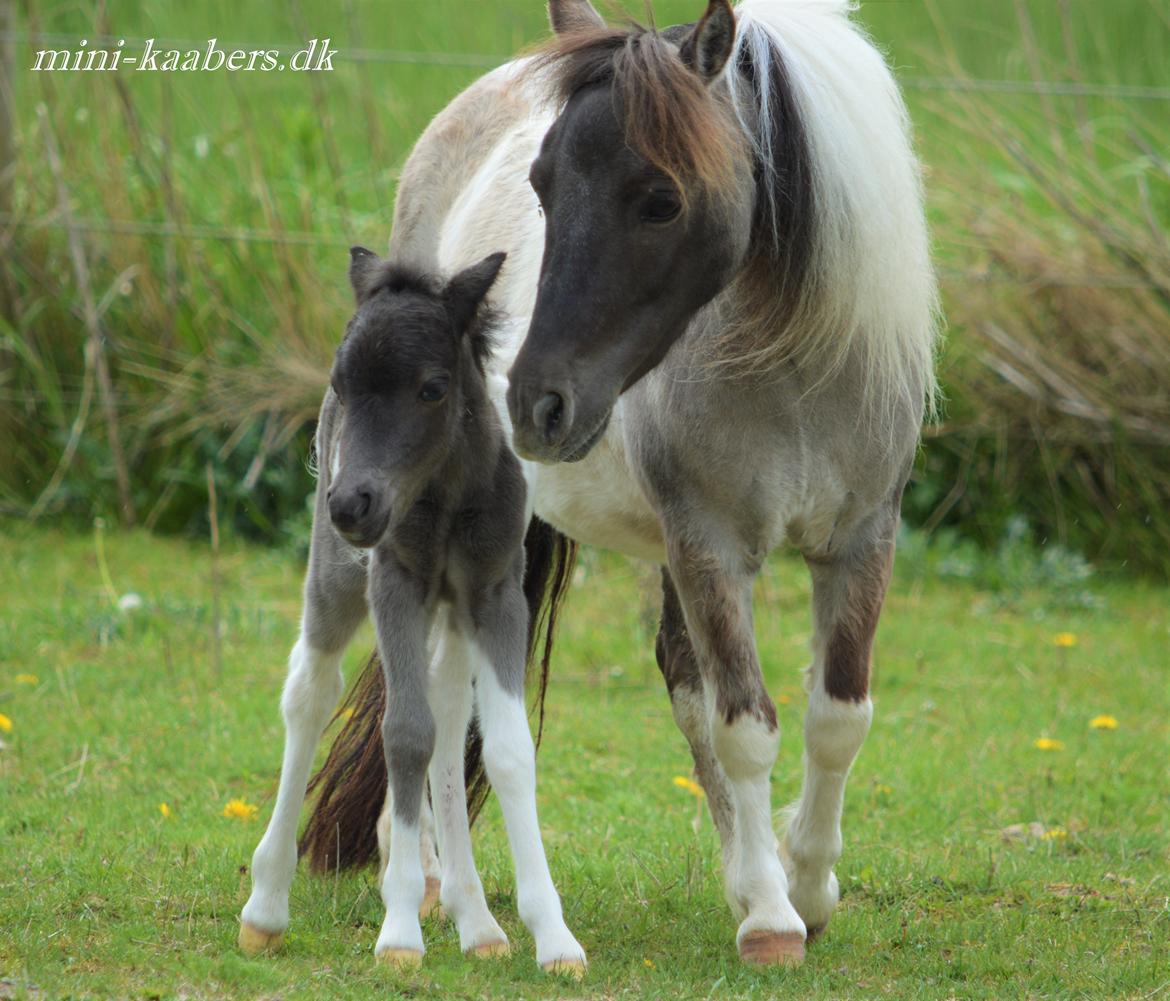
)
(351, 785)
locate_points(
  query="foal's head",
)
(401, 376)
(647, 194)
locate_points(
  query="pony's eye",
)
(433, 390)
(661, 207)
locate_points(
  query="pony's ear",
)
(466, 290)
(361, 267)
(573, 15)
(709, 46)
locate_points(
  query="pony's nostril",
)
(365, 499)
(548, 415)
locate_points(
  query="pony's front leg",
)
(848, 590)
(684, 682)
(461, 891)
(510, 761)
(715, 588)
(408, 740)
(334, 606)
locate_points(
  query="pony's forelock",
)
(672, 118)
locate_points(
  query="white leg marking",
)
(756, 884)
(510, 760)
(462, 892)
(834, 732)
(310, 695)
(403, 888)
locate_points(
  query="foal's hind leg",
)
(715, 587)
(334, 606)
(461, 889)
(848, 590)
(510, 761)
(684, 682)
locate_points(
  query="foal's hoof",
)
(772, 948)
(253, 941)
(430, 897)
(487, 950)
(574, 968)
(400, 959)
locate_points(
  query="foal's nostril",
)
(365, 499)
(548, 415)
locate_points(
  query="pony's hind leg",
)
(510, 761)
(680, 669)
(715, 588)
(334, 606)
(461, 890)
(848, 590)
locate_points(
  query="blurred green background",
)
(213, 211)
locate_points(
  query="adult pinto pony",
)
(723, 340)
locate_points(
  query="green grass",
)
(101, 896)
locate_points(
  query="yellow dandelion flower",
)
(648, 963)
(882, 790)
(27, 679)
(164, 809)
(1048, 744)
(689, 785)
(5, 724)
(238, 809)
(1054, 834)
(346, 714)
(1065, 640)
(783, 700)
(1103, 722)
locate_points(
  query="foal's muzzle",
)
(358, 513)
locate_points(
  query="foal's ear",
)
(361, 267)
(573, 15)
(709, 46)
(466, 290)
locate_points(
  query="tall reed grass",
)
(214, 217)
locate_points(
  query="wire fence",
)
(479, 60)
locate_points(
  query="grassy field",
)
(108, 714)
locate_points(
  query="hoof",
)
(253, 941)
(772, 948)
(430, 897)
(490, 949)
(401, 959)
(573, 968)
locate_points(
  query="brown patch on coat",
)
(849, 651)
(730, 639)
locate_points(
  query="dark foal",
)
(420, 522)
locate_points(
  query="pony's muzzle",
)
(542, 422)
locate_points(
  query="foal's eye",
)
(661, 207)
(433, 390)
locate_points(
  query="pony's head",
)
(647, 191)
(401, 377)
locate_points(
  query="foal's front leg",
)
(334, 606)
(715, 588)
(408, 740)
(510, 760)
(848, 590)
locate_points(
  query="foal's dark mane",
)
(394, 278)
(692, 133)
